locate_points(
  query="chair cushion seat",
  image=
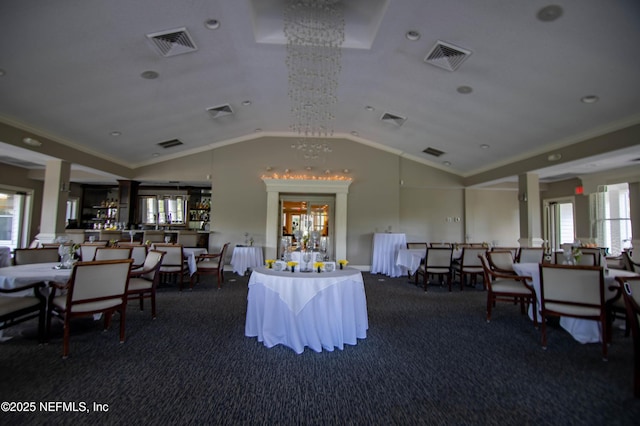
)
(509, 286)
(436, 270)
(572, 310)
(13, 304)
(136, 284)
(61, 302)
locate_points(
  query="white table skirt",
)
(582, 330)
(410, 259)
(190, 254)
(20, 275)
(385, 253)
(315, 310)
(244, 258)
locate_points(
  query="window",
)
(611, 217)
(14, 226)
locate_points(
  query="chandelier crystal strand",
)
(315, 32)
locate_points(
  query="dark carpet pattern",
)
(429, 358)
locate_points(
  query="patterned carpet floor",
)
(429, 358)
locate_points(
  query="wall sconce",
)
(522, 197)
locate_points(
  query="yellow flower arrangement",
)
(270, 263)
(291, 264)
(343, 262)
(318, 265)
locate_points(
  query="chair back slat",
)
(37, 255)
(579, 285)
(113, 253)
(439, 257)
(98, 280)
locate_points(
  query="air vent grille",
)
(170, 144)
(393, 118)
(447, 56)
(173, 42)
(433, 151)
(220, 111)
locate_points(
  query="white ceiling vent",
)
(220, 111)
(447, 56)
(173, 42)
(170, 144)
(393, 118)
(433, 151)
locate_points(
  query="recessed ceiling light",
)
(354, 133)
(412, 35)
(589, 99)
(212, 24)
(115, 133)
(155, 154)
(369, 108)
(246, 103)
(32, 141)
(549, 13)
(149, 75)
(258, 129)
(554, 157)
(464, 90)
(326, 172)
(2, 72)
(484, 146)
(446, 163)
(345, 171)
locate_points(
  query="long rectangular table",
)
(307, 309)
(582, 330)
(20, 275)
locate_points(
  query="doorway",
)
(307, 221)
(559, 223)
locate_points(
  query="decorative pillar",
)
(529, 209)
(54, 200)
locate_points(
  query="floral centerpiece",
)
(291, 264)
(342, 263)
(270, 263)
(576, 253)
(318, 266)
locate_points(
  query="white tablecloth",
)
(583, 330)
(385, 253)
(319, 310)
(190, 254)
(410, 259)
(20, 275)
(246, 257)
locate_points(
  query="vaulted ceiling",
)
(534, 79)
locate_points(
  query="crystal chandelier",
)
(315, 31)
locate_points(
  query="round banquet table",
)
(20, 275)
(307, 309)
(246, 257)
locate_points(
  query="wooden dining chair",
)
(144, 280)
(501, 261)
(573, 291)
(98, 287)
(438, 263)
(210, 264)
(113, 253)
(507, 287)
(631, 295)
(173, 263)
(37, 255)
(88, 250)
(15, 308)
(469, 264)
(530, 255)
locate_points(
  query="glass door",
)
(306, 222)
(559, 223)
